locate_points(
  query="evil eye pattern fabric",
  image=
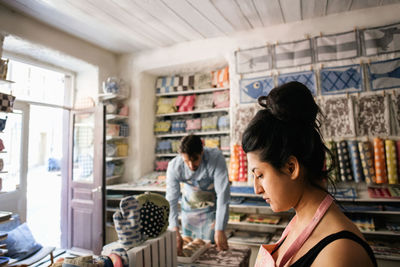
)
(339, 80)
(331, 145)
(381, 40)
(344, 162)
(339, 118)
(307, 78)
(175, 84)
(372, 115)
(367, 161)
(252, 89)
(127, 223)
(293, 54)
(379, 161)
(337, 46)
(355, 161)
(254, 59)
(384, 74)
(391, 161)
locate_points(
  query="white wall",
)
(28, 38)
(142, 69)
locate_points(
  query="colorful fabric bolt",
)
(220, 78)
(344, 162)
(380, 165)
(391, 161)
(234, 164)
(242, 165)
(355, 161)
(398, 157)
(334, 172)
(367, 161)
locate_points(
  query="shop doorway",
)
(44, 178)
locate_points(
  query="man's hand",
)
(221, 240)
(179, 241)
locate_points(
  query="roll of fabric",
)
(367, 161)
(391, 161)
(398, 158)
(379, 161)
(331, 145)
(356, 167)
(344, 162)
(234, 164)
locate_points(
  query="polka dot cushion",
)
(154, 212)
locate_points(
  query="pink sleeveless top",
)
(264, 257)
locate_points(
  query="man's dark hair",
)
(191, 145)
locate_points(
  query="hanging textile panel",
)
(241, 118)
(337, 46)
(384, 74)
(338, 80)
(395, 111)
(253, 60)
(339, 116)
(381, 40)
(372, 115)
(252, 89)
(306, 77)
(293, 54)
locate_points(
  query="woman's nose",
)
(258, 189)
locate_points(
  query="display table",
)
(236, 256)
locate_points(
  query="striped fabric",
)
(127, 223)
(355, 161)
(293, 54)
(344, 162)
(254, 59)
(380, 40)
(391, 161)
(337, 46)
(367, 161)
(380, 165)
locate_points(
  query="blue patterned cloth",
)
(178, 126)
(307, 78)
(337, 80)
(384, 74)
(252, 89)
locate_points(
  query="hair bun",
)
(291, 102)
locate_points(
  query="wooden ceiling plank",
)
(98, 12)
(61, 15)
(232, 13)
(270, 12)
(151, 21)
(194, 18)
(359, 4)
(291, 10)
(337, 6)
(249, 10)
(207, 9)
(161, 12)
(121, 15)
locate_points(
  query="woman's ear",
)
(293, 167)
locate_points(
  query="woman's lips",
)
(267, 200)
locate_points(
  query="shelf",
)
(128, 187)
(110, 96)
(380, 232)
(113, 138)
(376, 212)
(194, 112)
(2, 81)
(387, 257)
(111, 209)
(3, 171)
(281, 225)
(115, 158)
(113, 177)
(114, 117)
(197, 133)
(3, 152)
(171, 155)
(195, 91)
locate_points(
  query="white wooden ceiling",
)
(129, 26)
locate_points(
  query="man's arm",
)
(172, 195)
(222, 190)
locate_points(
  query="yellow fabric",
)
(391, 161)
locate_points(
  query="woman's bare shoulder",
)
(343, 252)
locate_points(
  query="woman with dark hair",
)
(286, 155)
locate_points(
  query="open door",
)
(85, 223)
